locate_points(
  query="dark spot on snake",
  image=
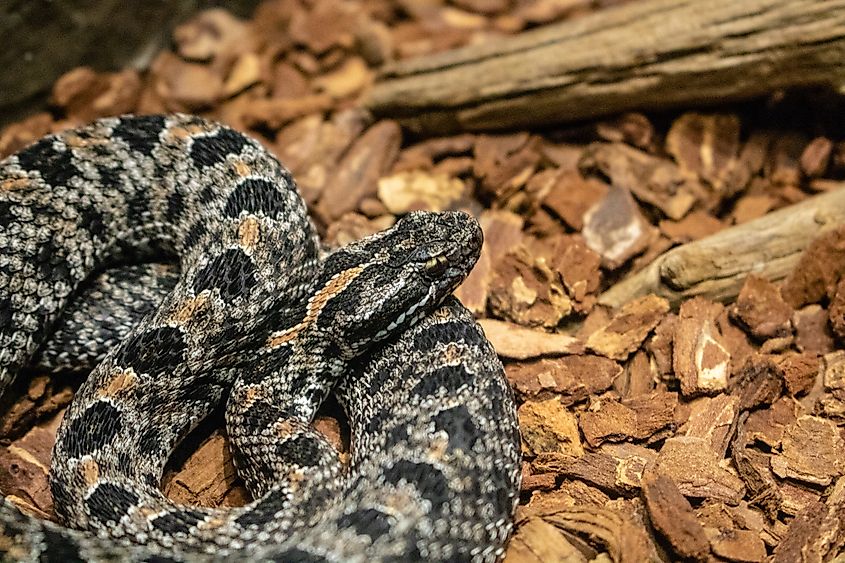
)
(302, 450)
(159, 559)
(55, 166)
(51, 262)
(458, 424)
(264, 510)
(296, 555)
(95, 428)
(195, 234)
(5, 311)
(175, 207)
(448, 378)
(255, 196)
(232, 272)
(212, 149)
(140, 133)
(60, 548)
(109, 502)
(148, 442)
(429, 481)
(154, 352)
(369, 521)
(92, 221)
(176, 522)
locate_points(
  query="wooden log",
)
(716, 266)
(641, 55)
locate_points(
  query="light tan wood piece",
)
(640, 55)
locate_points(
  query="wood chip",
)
(628, 328)
(419, 190)
(516, 342)
(548, 427)
(571, 378)
(673, 517)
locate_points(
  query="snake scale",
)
(255, 319)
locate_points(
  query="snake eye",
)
(436, 265)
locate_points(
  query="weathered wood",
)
(716, 266)
(645, 54)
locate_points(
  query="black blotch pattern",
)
(55, 166)
(98, 426)
(60, 548)
(149, 443)
(109, 502)
(5, 311)
(160, 559)
(449, 378)
(175, 207)
(176, 523)
(92, 221)
(264, 510)
(153, 352)
(301, 450)
(295, 555)
(52, 264)
(457, 422)
(429, 480)
(212, 149)
(232, 272)
(368, 521)
(255, 196)
(140, 132)
(195, 234)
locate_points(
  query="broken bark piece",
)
(569, 493)
(185, 86)
(632, 128)
(419, 190)
(800, 372)
(357, 173)
(752, 206)
(615, 228)
(817, 534)
(811, 452)
(312, 147)
(527, 291)
(538, 541)
(547, 426)
(700, 360)
(694, 226)
(571, 196)
(812, 332)
(767, 425)
(818, 270)
(86, 95)
(274, 113)
(714, 419)
(571, 378)
(213, 36)
(25, 465)
(655, 413)
(18, 135)
(816, 157)
(707, 147)
(758, 382)
(327, 25)
(628, 328)
(354, 226)
(761, 309)
(208, 477)
(504, 163)
(44, 396)
(520, 343)
(696, 470)
(651, 179)
(737, 545)
(672, 516)
(608, 420)
(836, 311)
(717, 266)
(615, 468)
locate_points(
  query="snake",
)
(253, 317)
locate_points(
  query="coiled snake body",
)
(256, 318)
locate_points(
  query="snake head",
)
(373, 288)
